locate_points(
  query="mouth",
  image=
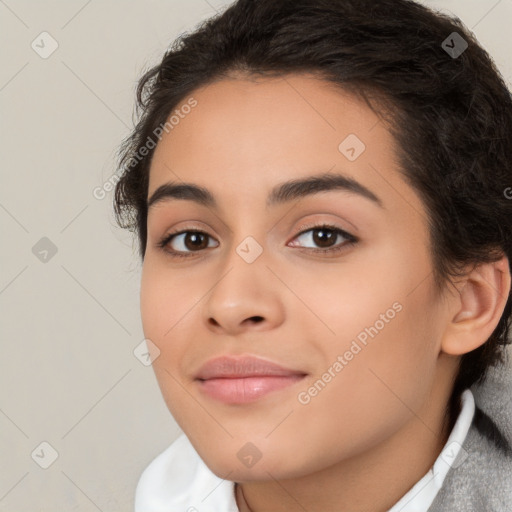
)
(247, 389)
(240, 380)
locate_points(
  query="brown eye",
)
(325, 239)
(194, 240)
(184, 242)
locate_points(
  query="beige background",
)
(69, 326)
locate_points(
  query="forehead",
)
(245, 135)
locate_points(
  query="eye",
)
(325, 236)
(184, 242)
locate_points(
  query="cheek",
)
(383, 323)
(364, 401)
(165, 296)
(373, 290)
(164, 304)
(152, 303)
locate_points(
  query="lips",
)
(237, 380)
(246, 366)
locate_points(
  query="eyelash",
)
(350, 240)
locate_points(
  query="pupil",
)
(324, 235)
(194, 238)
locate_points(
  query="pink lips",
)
(238, 380)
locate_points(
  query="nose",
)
(246, 297)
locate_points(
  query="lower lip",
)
(245, 390)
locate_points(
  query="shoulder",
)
(480, 479)
(178, 479)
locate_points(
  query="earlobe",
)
(479, 306)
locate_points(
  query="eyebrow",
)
(281, 193)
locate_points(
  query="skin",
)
(363, 441)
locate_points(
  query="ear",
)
(477, 308)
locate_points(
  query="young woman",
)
(321, 190)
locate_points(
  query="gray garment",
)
(480, 479)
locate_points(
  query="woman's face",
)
(360, 327)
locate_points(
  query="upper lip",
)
(242, 366)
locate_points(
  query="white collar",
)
(422, 494)
(178, 479)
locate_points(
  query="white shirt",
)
(178, 480)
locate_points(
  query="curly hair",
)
(450, 113)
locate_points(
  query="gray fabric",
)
(481, 481)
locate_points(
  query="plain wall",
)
(69, 324)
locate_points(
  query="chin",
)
(242, 461)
